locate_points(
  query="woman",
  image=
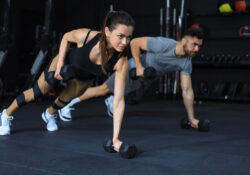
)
(96, 54)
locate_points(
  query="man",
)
(165, 55)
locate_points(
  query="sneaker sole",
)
(52, 130)
(66, 119)
(45, 120)
(110, 114)
(5, 133)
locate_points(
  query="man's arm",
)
(137, 45)
(188, 99)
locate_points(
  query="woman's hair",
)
(112, 19)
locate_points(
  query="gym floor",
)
(153, 125)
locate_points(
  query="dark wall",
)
(26, 15)
(145, 13)
(221, 31)
(75, 14)
(222, 67)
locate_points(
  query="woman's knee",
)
(43, 85)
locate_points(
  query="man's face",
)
(191, 45)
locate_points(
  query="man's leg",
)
(92, 92)
(131, 85)
(102, 90)
(106, 88)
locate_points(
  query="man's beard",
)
(187, 52)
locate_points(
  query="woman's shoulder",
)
(85, 31)
(90, 34)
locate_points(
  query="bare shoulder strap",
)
(86, 38)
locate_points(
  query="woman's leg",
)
(74, 88)
(40, 88)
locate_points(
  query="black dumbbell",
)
(67, 72)
(207, 58)
(203, 125)
(185, 124)
(237, 59)
(149, 73)
(219, 58)
(231, 58)
(213, 59)
(126, 150)
(50, 78)
(108, 145)
(202, 57)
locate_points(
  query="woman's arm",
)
(121, 69)
(75, 36)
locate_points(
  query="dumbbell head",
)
(132, 74)
(204, 125)
(149, 73)
(127, 151)
(185, 124)
(51, 79)
(67, 72)
(108, 145)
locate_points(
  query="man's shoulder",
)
(162, 38)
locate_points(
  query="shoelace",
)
(9, 119)
(54, 116)
(69, 110)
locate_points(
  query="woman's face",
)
(120, 37)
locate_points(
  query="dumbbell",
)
(50, 78)
(219, 58)
(67, 72)
(149, 73)
(126, 150)
(203, 125)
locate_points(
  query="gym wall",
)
(221, 69)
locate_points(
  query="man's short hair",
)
(194, 32)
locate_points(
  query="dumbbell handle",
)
(149, 73)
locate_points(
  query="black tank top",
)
(84, 68)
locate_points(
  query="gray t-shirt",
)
(161, 55)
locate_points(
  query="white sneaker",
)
(109, 105)
(5, 123)
(50, 120)
(65, 113)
